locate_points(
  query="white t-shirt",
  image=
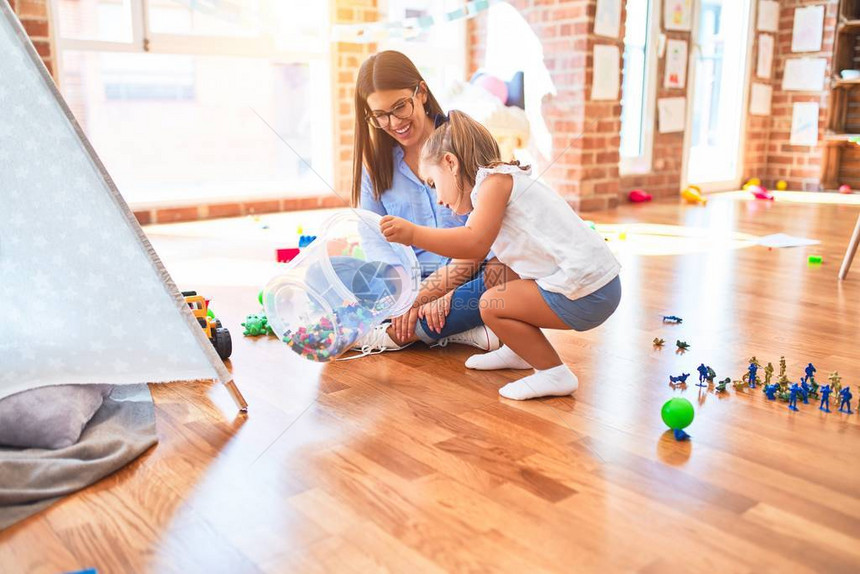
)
(542, 238)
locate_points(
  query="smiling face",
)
(400, 114)
(449, 192)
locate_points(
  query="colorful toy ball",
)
(782, 185)
(845, 188)
(639, 196)
(678, 413)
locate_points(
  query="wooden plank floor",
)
(409, 462)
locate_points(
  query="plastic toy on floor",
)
(257, 325)
(639, 196)
(343, 284)
(693, 194)
(760, 192)
(218, 335)
(845, 397)
(672, 319)
(678, 413)
(825, 399)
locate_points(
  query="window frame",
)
(642, 164)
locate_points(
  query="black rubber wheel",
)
(223, 343)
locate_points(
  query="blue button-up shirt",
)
(414, 201)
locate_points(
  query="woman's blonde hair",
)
(469, 141)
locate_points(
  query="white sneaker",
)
(481, 337)
(375, 342)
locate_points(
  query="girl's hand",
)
(397, 230)
(404, 325)
(435, 312)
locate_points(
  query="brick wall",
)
(34, 17)
(770, 155)
(584, 162)
(667, 154)
(346, 60)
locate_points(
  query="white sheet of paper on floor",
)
(678, 15)
(768, 16)
(808, 29)
(760, 98)
(675, 75)
(83, 297)
(785, 240)
(671, 114)
(607, 18)
(607, 72)
(804, 74)
(764, 62)
(804, 123)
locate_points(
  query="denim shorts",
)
(586, 312)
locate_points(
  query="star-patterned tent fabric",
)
(83, 297)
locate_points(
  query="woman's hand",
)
(435, 312)
(404, 325)
(397, 230)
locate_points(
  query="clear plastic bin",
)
(346, 282)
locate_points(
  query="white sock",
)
(501, 358)
(555, 382)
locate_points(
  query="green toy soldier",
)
(712, 374)
(721, 386)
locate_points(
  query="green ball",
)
(260, 297)
(677, 413)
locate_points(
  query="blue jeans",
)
(465, 311)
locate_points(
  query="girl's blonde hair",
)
(469, 141)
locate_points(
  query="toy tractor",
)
(219, 336)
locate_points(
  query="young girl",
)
(568, 277)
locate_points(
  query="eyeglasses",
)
(402, 110)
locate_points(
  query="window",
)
(439, 52)
(200, 102)
(639, 86)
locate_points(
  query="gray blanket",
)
(33, 479)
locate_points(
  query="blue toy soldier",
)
(792, 399)
(810, 372)
(845, 400)
(770, 391)
(703, 374)
(753, 369)
(804, 392)
(825, 398)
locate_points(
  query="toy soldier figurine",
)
(768, 373)
(782, 378)
(792, 399)
(721, 386)
(810, 372)
(825, 399)
(835, 381)
(845, 400)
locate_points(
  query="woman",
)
(395, 114)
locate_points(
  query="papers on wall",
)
(607, 72)
(768, 16)
(808, 29)
(678, 15)
(804, 123)
(760, 98)
(804, 74)
(676, 64)
(671, 114)
(765, 56)
(607, 19)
